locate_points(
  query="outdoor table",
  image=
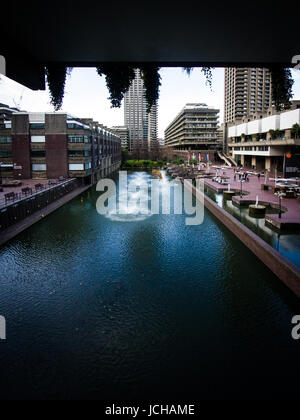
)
(290, 194)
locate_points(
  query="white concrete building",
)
(264, 143)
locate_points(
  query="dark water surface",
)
(286, 243)
(106, 307)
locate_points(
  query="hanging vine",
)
(151, 78)
(56, 79)
(118, 79)
(282, 84)
(207, 71)
(120, 76)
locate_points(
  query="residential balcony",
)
(79, 146)
(38, 146)
(80, 174)
(79, 159)
(271, 142)
(6, 160)
(38, 160)
(5, 146)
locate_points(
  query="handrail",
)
(20, 196)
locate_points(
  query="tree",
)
(272, 134)
(282, 84)
(295, 131)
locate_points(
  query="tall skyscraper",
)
(247, 93)
(142, 126)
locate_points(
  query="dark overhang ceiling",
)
(217, 34)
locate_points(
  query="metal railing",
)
(28, 192)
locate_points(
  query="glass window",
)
(76, 167)
(75, 139)
(5, 153)
(38, 139)
(5, 139)
(37, 126)
(39, 167)
(38, 153)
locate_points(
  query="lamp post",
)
(279, 194)
(241, 192)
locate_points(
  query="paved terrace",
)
(291, 206)
(26, 183)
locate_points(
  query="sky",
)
(86, 95)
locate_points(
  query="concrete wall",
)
(254, 127)
(21, 146)
(288, 119)
(56, 155)
(283, 121)
(56, 145)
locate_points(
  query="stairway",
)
(227, 159)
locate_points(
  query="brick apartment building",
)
(52, 145)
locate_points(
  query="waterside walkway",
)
(291, 206)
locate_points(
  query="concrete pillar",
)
(253, 161)
(268, 163)
(288, 134)
(242, 160)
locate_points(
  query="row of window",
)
(72, 167)
(79, 139)
(5, 139)
(42, 139)
(258, 148)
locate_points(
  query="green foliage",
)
(193, 161)
(124, 155)
(272, 133)
(56, 79)
(178, 161)
(143, 163)
(282, 84)
(295, 130)
(275, 134)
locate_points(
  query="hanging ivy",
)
(118, 79)
(120, 76)
(188, 70)
(207, 73)
(56, 79)
(151, 78)
(282, 84)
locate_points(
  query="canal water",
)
(141, 307)
(286, 243)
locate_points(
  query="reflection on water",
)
(152, 309)
(288, 244)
